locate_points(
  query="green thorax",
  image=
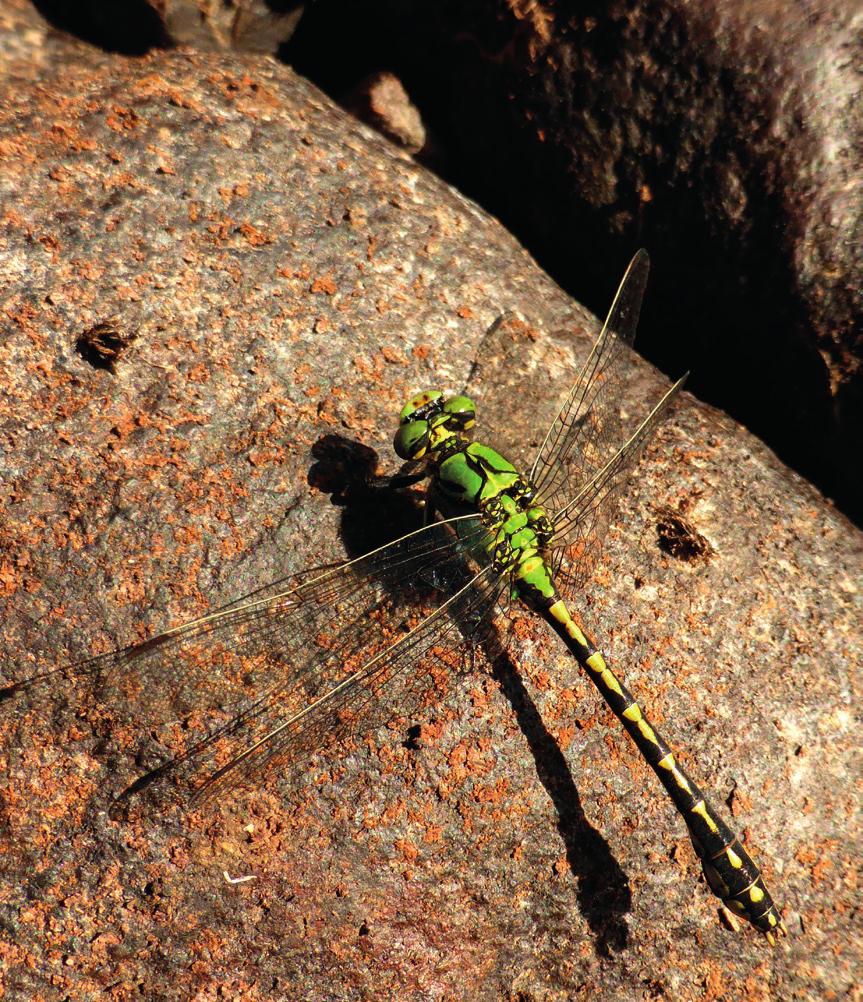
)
(473, 473)
(470, 476)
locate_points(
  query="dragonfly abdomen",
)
(730, 872)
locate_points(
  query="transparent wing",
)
(587, 431)
(591, 445)
(512, 372)
(579, 524)
(275, 678)
(395, 680)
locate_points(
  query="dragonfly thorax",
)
(473, 477)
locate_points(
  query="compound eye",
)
(462, 411)
(411, 440)
(418, 401)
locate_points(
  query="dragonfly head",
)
(428, 419)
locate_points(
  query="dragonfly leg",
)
(399, 481)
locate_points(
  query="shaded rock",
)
(290, 278)
(249, 25)
(28, 42)
(132, 27)
(723, 137)
(382, 101)
(136, 26)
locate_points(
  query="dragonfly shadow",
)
(602, 886)
(376, 509)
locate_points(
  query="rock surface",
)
(283, 276)
(381, 101)
(248, 25)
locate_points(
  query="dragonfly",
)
(334, 652)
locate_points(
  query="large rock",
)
(208, 271)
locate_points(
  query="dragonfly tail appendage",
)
(729, 870)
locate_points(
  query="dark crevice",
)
(102, 345)
(131, 27)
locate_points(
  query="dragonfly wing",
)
(587, 431)
(579, 524)
(217, 686)
(404, 674)
(513, 364)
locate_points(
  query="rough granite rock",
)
(248, 25)
(269, 275)
(381, 101)
(725, 136)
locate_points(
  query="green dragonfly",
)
(270, 679)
